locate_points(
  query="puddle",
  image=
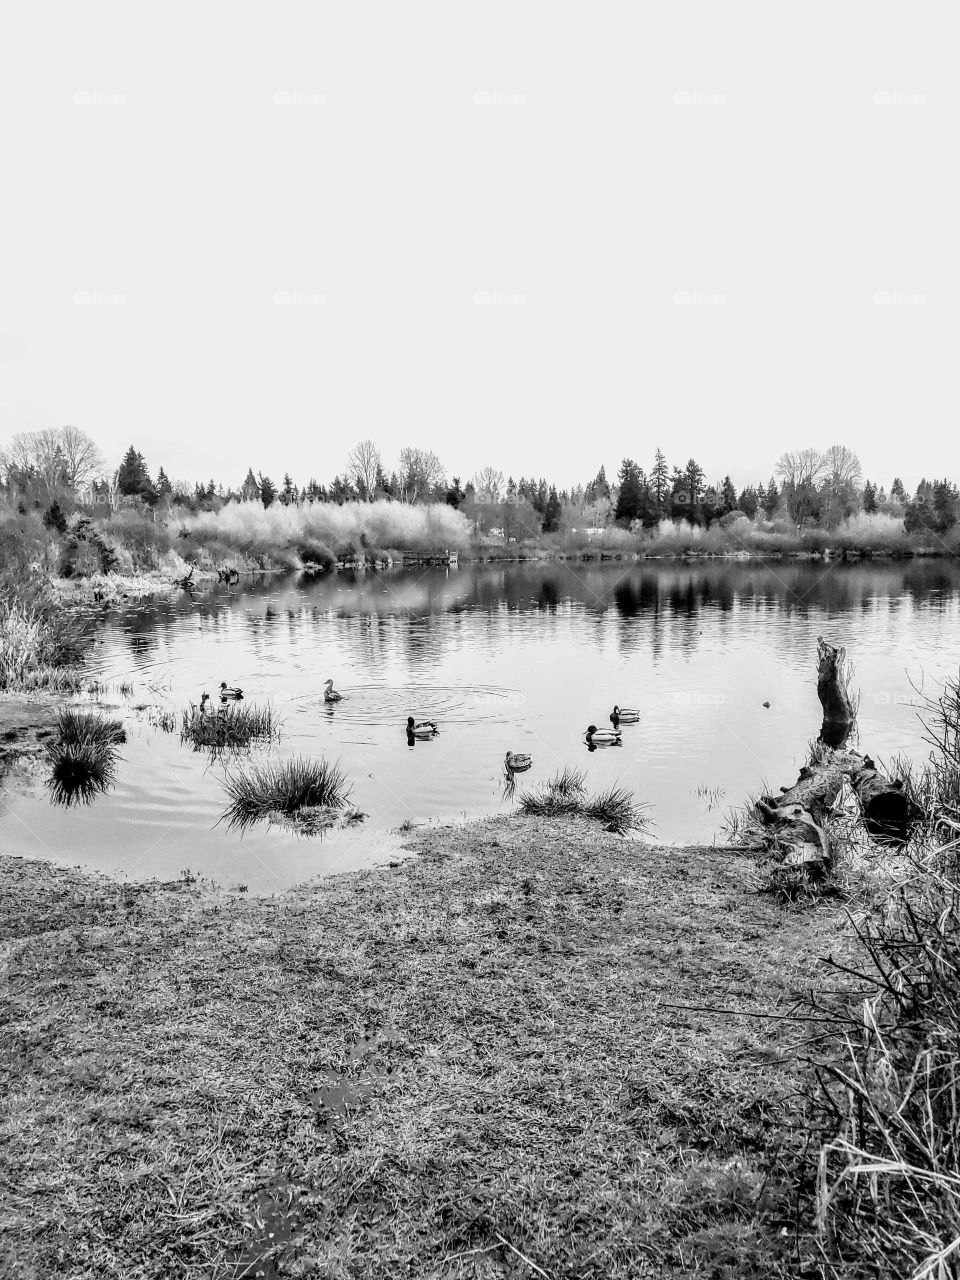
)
(342, 1092)
(274, 1218)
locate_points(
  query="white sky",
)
(146, 163)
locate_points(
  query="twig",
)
(746, 1013)
(539, 1270)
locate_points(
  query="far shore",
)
(114, 588)
(482, 1057)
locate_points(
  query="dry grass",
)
(500, 1058)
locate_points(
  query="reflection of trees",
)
(645, 601)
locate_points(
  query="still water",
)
(517, 657)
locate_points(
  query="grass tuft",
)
(80, 728)
(565, 795)
(233, 727)
(283, 787)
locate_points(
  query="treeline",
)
(55, 470)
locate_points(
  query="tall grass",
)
(888, 1175)
(230, 728)
(887, 1096)
(283, 787)
(83, 756)
(39, 639)
(565, 795)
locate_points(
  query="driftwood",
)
(888, 812)
(833, 690)
(797, 818)
(187, 583)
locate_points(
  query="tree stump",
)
(833, 690)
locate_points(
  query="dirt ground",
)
(505, 1056)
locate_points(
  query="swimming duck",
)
(330, 694)
(421, 728)
(602, 737)
(517, 761)
(624, 715)
(227, 692)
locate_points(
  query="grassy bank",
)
(469, 1064)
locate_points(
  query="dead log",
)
(797, 838)
(888, 812)
(833, 690)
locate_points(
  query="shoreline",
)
(113, 589)
(479, 1049)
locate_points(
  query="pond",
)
(518, 657)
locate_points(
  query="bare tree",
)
(489, 480)
(82, 460)
(421, 472)
(803, 466)
(363, 463)
(842, 483)
(800, 472)
(55, 457)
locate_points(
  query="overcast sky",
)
(541, 236)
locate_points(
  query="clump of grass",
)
(283, 787)
(887, 1187)
(163, 719)
(565, 795)
(78, 728)
(233, 727)
(83, 756)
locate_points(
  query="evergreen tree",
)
(629, 497)
(771, 499)
(660, 480)
(268, 490)
(869, 498)
(288, 494)
(897, 492)
(133, 478)
(551, 519)
(164, 487)
(250, 490)
(728, 496)
(749, 501)
(455, 494)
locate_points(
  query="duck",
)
(330, 694)
(421, 728)
(516, 761)
(227, 692)
(601, 737)
(624, 715)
